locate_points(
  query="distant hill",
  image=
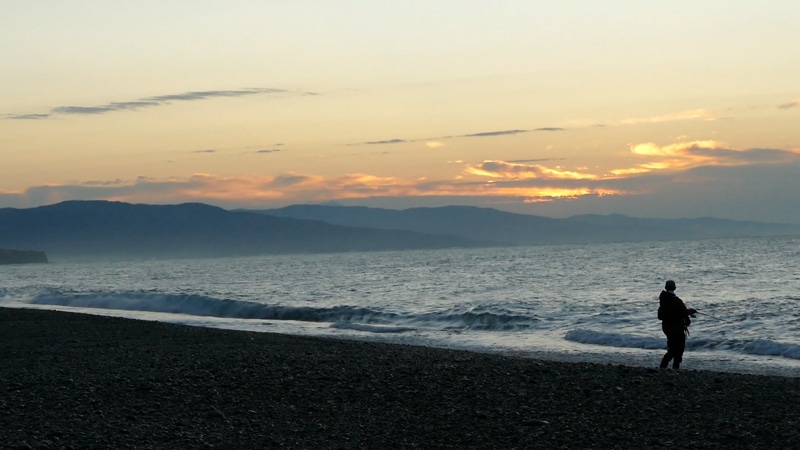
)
(520, 229)
(103, 230)
(11, 256)
(100, 229)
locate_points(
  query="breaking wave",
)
(761, 347)
(344, 317)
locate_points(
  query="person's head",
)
(670, 285)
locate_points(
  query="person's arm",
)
(683, 309)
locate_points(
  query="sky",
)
(675, 109)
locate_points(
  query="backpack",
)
(666, 309)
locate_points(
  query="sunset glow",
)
(251, 104)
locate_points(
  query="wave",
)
(371, 328)
(765, 347)
(761, 347)
(614, 339)
(352, 317)
(200, 305)
(481, 319)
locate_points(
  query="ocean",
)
(593, 303)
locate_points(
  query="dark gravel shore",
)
(80, 381)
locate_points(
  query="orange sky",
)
(639, 108)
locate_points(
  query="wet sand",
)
(80, 381)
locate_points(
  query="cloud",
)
(289, 180)
(27, 116)
(516, 171)
(268, 150)
(523, 161)
(695, 114)
(388, 141)
(147, 102)
(288, 188)
(794, 104)
(664, 166)
(110, 107)
(203, 95)
(763, 193)
(436, 142)
(687, 155)
(208, 150)
(495, 133)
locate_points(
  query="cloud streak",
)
(689, 115)
(255, 191)
(436, 142)
(147, 102)
(671, 158)
(102, 109)
(508, 132)
(518, 171)
(204, 95)
(387, 141)
(495, 133)
(27, 116)
(695, 114)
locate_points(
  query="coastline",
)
(80, 381)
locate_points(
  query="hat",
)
(670, 285)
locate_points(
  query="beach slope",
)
(80, 381)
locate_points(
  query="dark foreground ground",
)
(78, 381)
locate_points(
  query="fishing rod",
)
(713, 317)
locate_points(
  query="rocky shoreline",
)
(78, 381)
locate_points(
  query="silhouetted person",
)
(675, 321)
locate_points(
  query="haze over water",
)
(571, 302)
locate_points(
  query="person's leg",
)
(665, 360)
(669, 355)
(679, 342)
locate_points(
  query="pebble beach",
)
(77, 381)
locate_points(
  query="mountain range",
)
(521, 229)
(115, 230)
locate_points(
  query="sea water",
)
(595, 302)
